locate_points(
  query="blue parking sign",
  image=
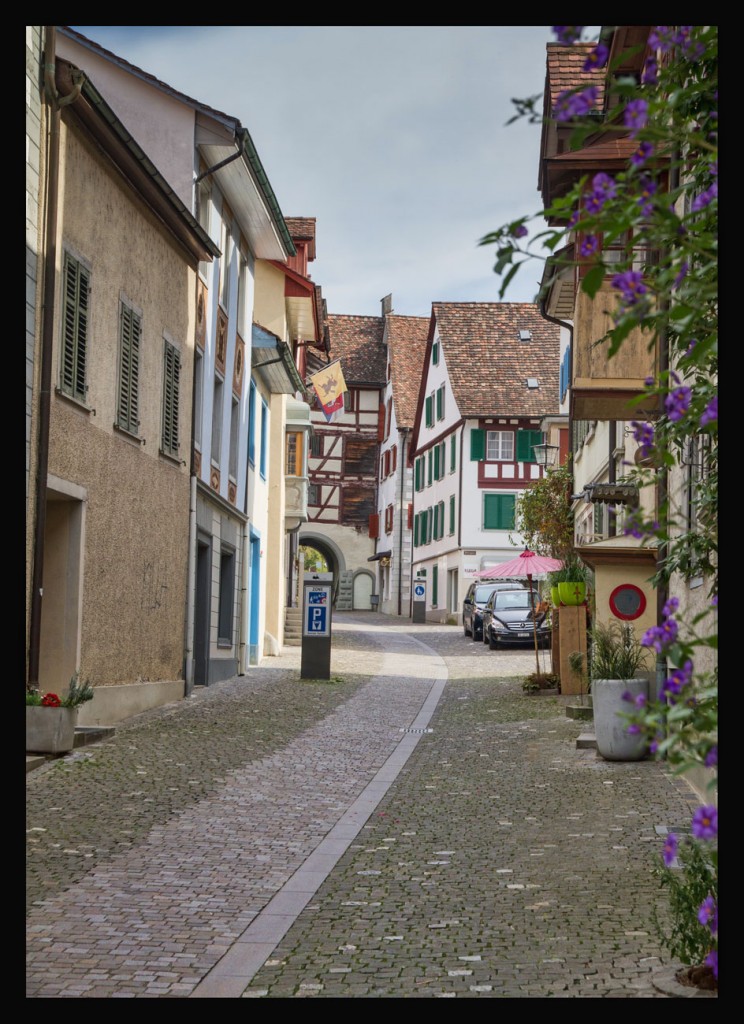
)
(316, 618)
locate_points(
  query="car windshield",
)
(518, 600)
(482, 594)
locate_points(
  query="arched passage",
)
(333, 555)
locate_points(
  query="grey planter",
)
(610, 730)
(50, 730)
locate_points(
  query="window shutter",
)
(498, 511)
(428, 468)
(477, 445)
(452, 514)
(440, 402)
(435, 353)
(417, 473)
(525, 441)
(171, 388)
(429, 525)
(435, 523)
(410, 515)
(75, 330)
(453, 452)
(415, 528)
(422, 527)
(434, 584)
(381, 422)
(436, 462)
(394, 453)
(130, 329)
(374, 526)
(429, 415)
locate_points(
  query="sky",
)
(393, 137)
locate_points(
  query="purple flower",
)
(519, 231)
(589, 246)
(568, 33)
(684, 268)
(635, 116)
(670, 849)
(573, 220)
(708, 914)
(710, 413)
(640, 701)
(575, 104)
(604, 185)
(678, 680)
(650, 72)
(711, 758)
(714, 601)
(596, 58)
(705, 822)
(630, 283)
(678, 402)
(644, 435)
(633, 729)
(648, 187)
(661, 38)
(660, 637)
(712, 961)
(670, 607)
(641, 155)
(649, 382)
(705, 198)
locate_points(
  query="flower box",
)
(50, 730)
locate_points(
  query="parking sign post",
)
(317, 599)
(419, 600)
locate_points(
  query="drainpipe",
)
(402, 464)
(227, 160)
(191, 586)
(54, 103)
(243, 640)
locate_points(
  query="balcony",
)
(295, 504)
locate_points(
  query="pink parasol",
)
(527, 564)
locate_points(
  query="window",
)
(389, 519)
(217, 420)
(453, 453)
(393, 458)
(386, 464)
(313, 494)
(233, 453)
(498, 511)
(429, 525)
(435, 524)
(226, 247)
(430, 410)
(198, 396)
(418, 475)
(388, 417)
(564, 381)
(294, 453)
(360, 456)
(130, 333)
(434, 585)
(316, 445)
(171, 395)
(428, 468)
(244, 280)
(227, 593)
(437, 462)
(202, 213)
(435, 353)
(75, 312)
(500, 445)
(440, 520)
(452, 514)
(264, 437)
(252, 424)
(440, 402)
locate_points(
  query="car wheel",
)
(491, 642)
(465, 630)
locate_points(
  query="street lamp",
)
(545, 454)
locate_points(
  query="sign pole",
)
(317, 590)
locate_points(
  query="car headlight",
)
(498, 625)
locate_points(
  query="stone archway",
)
(333, 555)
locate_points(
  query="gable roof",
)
(357, 342)
(488, 365)
(565, 71)
(406, 339)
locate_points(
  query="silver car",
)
(475, 602)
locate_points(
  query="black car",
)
(508, 619)
(475, 601)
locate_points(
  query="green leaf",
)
(593, 279)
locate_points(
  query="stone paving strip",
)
(160, 916)
(416, 826)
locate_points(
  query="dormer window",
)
(525, 335)
(532, 382)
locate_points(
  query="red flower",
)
(50, 700)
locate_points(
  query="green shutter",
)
(453, 453)
(498, 511)
(429, 525)
(434, 584)
(436, 462)
(428, 468)
(441, 519)
(452, 514)
(76, 287)
(130, 330)
(477, 445)
(525, 440)
(435, 353)
(422, 528)
(417, 470)
(440, 403)
(416, 530)
(435, 524)
(429, 417)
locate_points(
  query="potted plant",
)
(51, 720)
(616, 663)
(570, 582)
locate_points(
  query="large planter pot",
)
(50, 730)
(554, 596)
(572, 593)
(610, 730)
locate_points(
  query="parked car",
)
(475, 601)
(508, 619)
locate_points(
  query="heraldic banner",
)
(329, 386)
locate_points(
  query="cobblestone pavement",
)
(416, 826)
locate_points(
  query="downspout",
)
(244, 577)
(55, 103)
(227, 160)
(191, 579)
(569, 328)
(402, 465)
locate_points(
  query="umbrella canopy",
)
(527, 564)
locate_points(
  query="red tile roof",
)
(406, 338)
(357, 342)
(488, 365)
(565, 71)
